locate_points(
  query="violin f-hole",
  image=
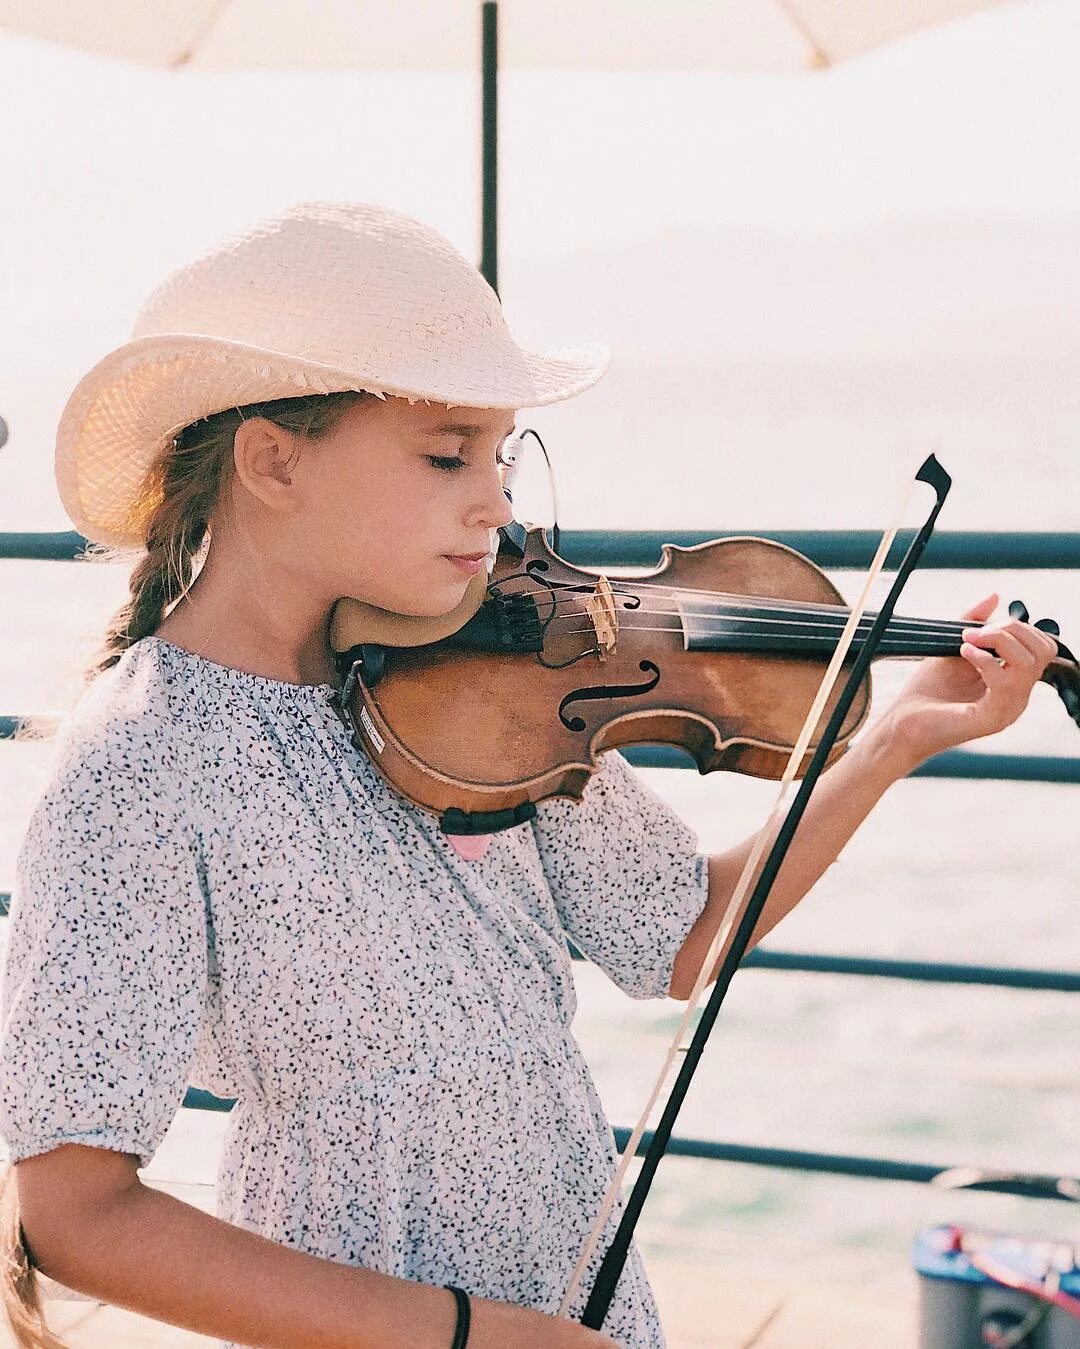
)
(607, 691)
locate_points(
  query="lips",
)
(470, 557)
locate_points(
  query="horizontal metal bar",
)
(836, 1164)
(840, 548)
(10, 725)
(869, 1168)
(979, 550)
(961, 763)
(954, 763)
(197, 1099)
(917, 971)
(54, 546)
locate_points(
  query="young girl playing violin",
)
(216, 887)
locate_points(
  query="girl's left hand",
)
(948, 701)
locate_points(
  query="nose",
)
(494, 509)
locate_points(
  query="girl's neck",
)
(260, 616)
(310, 663)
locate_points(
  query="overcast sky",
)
(113, 174)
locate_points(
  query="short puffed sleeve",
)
(105, 972)
(626, 876)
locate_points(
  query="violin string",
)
(826, 623)
(719, 620)
(714, 597)
(732, 605)
(914, 647)
(729, 596)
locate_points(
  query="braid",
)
(189, 478)
(186, 484)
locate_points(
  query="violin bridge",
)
(605, 617)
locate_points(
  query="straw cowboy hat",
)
(327, 297)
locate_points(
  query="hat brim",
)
(123, 412)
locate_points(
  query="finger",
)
(979, 613)
(1005, 643)
(989, 668)
(1040, 644)
(1049, 643)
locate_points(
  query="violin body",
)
(481, 713)
(457, 727)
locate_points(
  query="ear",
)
(262, 455)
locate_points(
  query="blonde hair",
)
(187, 482)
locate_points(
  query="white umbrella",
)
(752, 35)
(778, 36)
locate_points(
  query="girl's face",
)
(384, 499)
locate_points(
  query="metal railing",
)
(837, 550)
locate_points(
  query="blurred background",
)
(809, 281)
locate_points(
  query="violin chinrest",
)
(354, 622)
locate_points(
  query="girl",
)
(215, 885)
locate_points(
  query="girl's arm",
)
(842, 800)
(946, 702)
(90, 1223)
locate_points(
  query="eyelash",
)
(450, 463)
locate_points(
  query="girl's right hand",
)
(495, 1325)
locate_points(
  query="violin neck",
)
(803, 630)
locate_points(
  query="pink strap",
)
(470, 846)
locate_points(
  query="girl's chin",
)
(436, 603)
(435, 600)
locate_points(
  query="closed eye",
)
(449, 463)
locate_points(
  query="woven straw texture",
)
(327, 297)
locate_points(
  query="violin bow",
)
(779, 835)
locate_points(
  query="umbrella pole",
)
(489, 58)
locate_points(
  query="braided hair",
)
(187, 482)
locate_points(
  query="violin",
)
(479, 714)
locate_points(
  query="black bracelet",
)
(464, 1317)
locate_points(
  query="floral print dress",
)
(216, 887)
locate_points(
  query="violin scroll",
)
(1063, 675)
(1063, 672)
